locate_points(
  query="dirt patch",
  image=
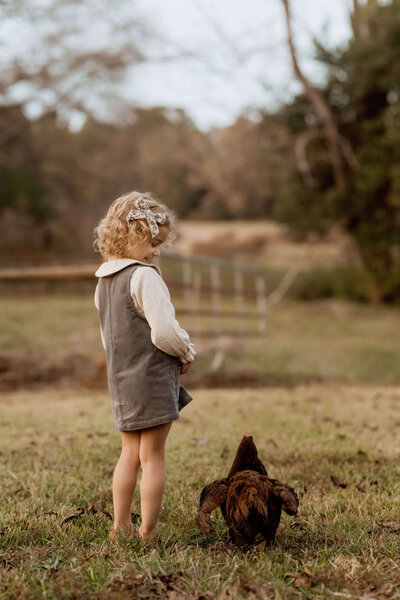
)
(77, 370)
(63, 370)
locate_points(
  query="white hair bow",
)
(143, 212)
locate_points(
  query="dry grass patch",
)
(337, 445)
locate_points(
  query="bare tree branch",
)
(300, 154)
(322, 110)
(354, 16)
(284, 285)
(62, 64)
(349, 154)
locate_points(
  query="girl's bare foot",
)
(125, 528)
(147, 536)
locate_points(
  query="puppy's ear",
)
(290, 501)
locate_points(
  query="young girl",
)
(146, 350)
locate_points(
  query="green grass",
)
(59, 448)
(327, 340)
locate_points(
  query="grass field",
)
(338, 446)
(327, 340)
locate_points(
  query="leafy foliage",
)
(362, 89)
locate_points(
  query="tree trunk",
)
(322, 110)
(354, 17)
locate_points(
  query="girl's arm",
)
(96, 303)
(152, 299)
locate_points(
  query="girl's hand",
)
(185, 368)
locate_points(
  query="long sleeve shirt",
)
(152, 300)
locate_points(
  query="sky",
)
(244, 60)
(226, 57)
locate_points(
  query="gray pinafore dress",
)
(143, 381)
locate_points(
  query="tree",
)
(24, 206)
(233, 168)
(361, 97)
(63, 68)
(81, 172)
(63, 63)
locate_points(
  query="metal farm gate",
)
(213, 298)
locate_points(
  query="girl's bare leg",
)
(124, 479)
(152, 484)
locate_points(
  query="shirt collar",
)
(113, 266)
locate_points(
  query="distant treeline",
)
(330, 156)
(56, 183)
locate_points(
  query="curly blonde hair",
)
(114, 235)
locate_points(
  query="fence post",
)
(197, 299)
(261, 304)
(216, 298)
(239, 299)
(188, 289)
